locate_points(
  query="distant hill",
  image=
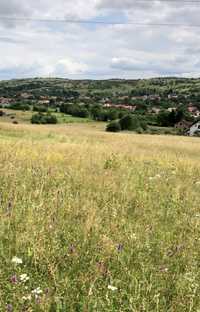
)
(111, 87)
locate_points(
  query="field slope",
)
(101, 222)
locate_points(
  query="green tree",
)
(113, 126)
(129, 122)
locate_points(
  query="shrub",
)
(44, 119)
(80, 112)
(129, 122)
(113, 126)
(143, 125)
(140, 130)
(74, 110)
(41, 109)
(51, 119)
(20, 106)
(197, 134)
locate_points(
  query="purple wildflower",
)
(9, 307)
(13, 279)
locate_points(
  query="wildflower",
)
(113, 288)
(133, 236)
(24, 278)
(37, 291)
(90, 293)
(120, 247)
(157, 176)
(37, 299)
(26, 298)
(71, 249)
(197, 183)
(9, 307)
(17, 260)
(13, 279)
(163, 269)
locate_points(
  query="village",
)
(109, 100)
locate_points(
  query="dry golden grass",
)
(86, 210)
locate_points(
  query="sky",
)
(32, 48)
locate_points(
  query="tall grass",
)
(102, 222)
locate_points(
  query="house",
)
(193, 110)
(120, 106)
(155, 110)
(26, 96)
(172, 96)
(154, 97)
(5, 101)
(43, 102)
(183, 125)
(194, 129)
(171, 109)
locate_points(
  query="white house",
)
(194, 129)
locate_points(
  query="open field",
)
(25, 117)
(101, 221)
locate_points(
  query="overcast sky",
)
(32, 49)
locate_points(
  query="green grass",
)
(25, 117)
(63, 118)
(86, 210)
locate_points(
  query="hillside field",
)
(94, 221)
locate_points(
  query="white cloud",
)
(33, 48)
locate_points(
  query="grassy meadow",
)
(24, 117)
(94, 221)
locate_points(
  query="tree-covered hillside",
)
(113, 87)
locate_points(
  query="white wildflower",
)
(133, 236)
(113, 288)
(197, 183)
(26, 298)
(157, 176)
(37, 291)
(17, 260)
(24, 278)
(90, 291)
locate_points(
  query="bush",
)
(41, 109)
(129, 122)
(74, 110)
(112, 114)
(80, 112)
(20, 106)
(140, 130)
(197, 134)
(44, 119)
(143, 125)
(113, 126)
